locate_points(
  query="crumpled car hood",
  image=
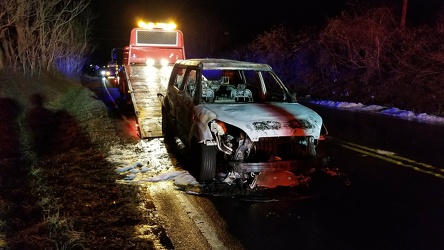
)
(267, 119)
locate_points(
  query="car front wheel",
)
(204, 161)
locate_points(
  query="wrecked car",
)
(239, 120)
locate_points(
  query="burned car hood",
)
(267, 119)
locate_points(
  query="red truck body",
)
(154, 46)
(147, 64)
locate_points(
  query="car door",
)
(173, 91)
(186, 102)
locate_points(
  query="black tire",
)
(204, 161)
(167, 130)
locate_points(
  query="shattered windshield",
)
(242, 86)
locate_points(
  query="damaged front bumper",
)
(301, 166)
(289, 173)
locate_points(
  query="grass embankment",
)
(57, 191)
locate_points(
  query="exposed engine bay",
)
(270, 162)
(237, 146)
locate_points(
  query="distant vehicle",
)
(90, 70)
(239, 116)
(111, 69)
(103, 71)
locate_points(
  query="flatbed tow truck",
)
(147, 65)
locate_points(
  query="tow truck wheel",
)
(204, 161)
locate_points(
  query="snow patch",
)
(147, 161)
(421, 117)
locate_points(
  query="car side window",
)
(179, 78)
(253, 79)
(190, 85)
(274, 90)
(255, 85)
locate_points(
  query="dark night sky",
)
(243, 19)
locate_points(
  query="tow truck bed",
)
(144, 83)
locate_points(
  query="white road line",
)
(201, 223)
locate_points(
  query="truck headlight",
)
(150, 62)
(164, 62)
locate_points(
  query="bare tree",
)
(38, 34)
(381, 63)
(358, 42)
(5, 22)
(404, 13)
(278, 46)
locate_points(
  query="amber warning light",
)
(151, 25)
